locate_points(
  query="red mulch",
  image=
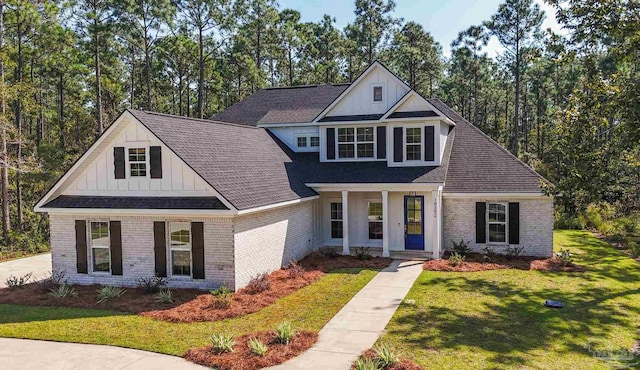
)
(243, 359)
(403, 364)
(475, 262)
(200, 308)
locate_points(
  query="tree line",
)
(567, 105)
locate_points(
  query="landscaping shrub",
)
(222, 343)
(53, 280)
(151, 285)
(63, 291)
(222, 301)
(568, 222)
(456, 259)
(386, 355)
(513, 251)
(258, 283)
(365, 363)
(284, 333)
(18, 281)
(634, 248)
(222, 290)
(164, 296)
(295, 270)
(596, 214)
(565, 257)
(461, 247)
(488, 253)
(108, 293)
(256, 346)
(363, 254)
(329, 252)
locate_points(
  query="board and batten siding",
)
(536, 224)
(138, 257)
(96, 177)
(267, 241)
(289, 136)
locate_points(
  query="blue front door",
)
(413, 222)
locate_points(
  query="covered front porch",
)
(392, 220)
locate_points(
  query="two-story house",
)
(285, 172)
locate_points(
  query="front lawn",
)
(307, 309)
(495, 319)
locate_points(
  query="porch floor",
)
(395, 254)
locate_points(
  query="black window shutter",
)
(81, 246)
(118, 162)
(429, 148)
(397, 144)
(382, 142)
(331, 143)
(481, 222)
(160, 248)
(197, 249)
(155, 160)
(115, 231)
(514, 223)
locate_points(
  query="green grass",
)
(495, 319)
(307, 309)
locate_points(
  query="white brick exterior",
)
(267, 241)
(235, 248)
(536, 224)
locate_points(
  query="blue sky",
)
(442, 18)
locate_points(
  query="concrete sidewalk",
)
(23, 354)
(357, 326)
(39, 265)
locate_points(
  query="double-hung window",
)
(180, 244)
(314, 141)
(497, 222)
(375, 220)
(138, 162)
(413, 143)
(336, 220)
(100, 246)
(355, 142)
(302, 141)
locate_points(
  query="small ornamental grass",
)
(109, 293)
(257, 347)
(164, 296)
(222, 343)
(284, 333)
(365, 363)
(63, 290)
(386, 355)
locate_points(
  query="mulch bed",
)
(282, 284)
(476, 262)
(403, 364)
(243, 359)
(191, 305)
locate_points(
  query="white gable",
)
(414, 103)
(358, 99)
(94, 174)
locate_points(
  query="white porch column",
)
(345, 223)
(437, 235)
(385, 223)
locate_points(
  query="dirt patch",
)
(202, 307)
(477, 262)
(403, 364)
(191, 305)
(243, 359)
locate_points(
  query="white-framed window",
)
(180, 248)
(336, 220)
(137, 162)
(377, 94)
(356, 142)
(314, 141)
(99, 241)
(497, 222)
(302, 141)
(374, 211)
(413, 143)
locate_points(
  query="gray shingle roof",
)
(74, 201)
(269, 105)
(242, 163)
(480, 165)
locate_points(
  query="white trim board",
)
(375, 187)
(495, 195)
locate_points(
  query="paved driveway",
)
(39, 265)
(23, 354)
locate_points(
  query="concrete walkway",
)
(357, 326)
(23, 354)
(39, 265)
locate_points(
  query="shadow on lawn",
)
(11, 313)
(510, 319)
